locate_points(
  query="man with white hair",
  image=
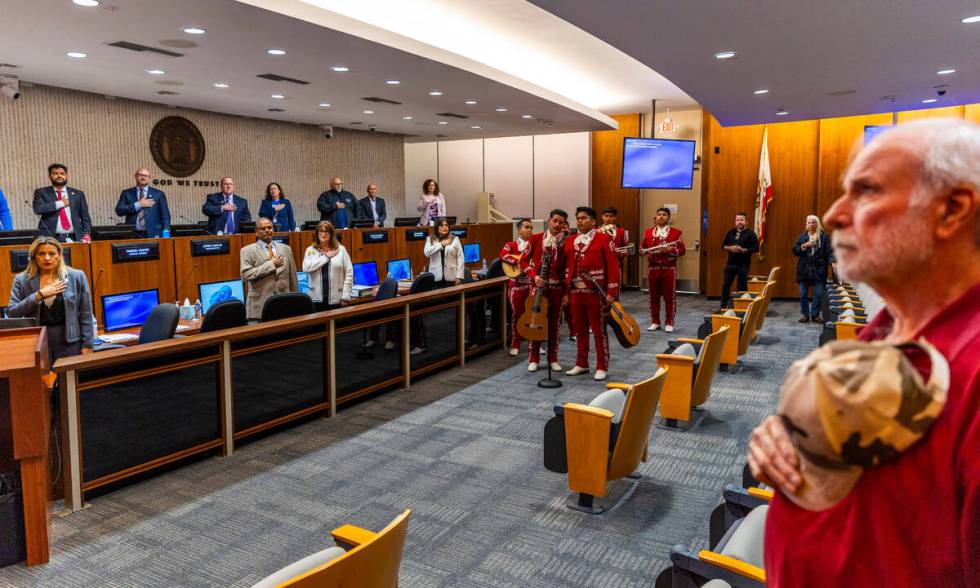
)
(908, 225)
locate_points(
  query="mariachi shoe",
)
(599, 375)
(555, 367)
(514, 351)
(577, 370)
(669, 328)
(654, 327)
(532, 367)
(416, 351)
(389, 345)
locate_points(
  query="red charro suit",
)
(591, 253)
(662, 272)
(517, 288)
(554, 289)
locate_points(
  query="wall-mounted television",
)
(872, 131)
(660, 164)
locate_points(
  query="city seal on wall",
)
(177, 146)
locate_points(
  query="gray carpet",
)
(462, 449)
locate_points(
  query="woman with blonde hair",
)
(57, 296)
(816, 254)
(329, 268)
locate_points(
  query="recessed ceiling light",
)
(444, 122)
(276, 51)
(86, 2)
(194, 31)
(368, 112)
(971, 19)
(392, 82)
(278, 96)
(725, 55)
(471, 102)
(435, 93)
(155, 72)
(340, 68)
(929, 100)
(324, 105)
(526, 116)
(476, 127)
(501, 109)
(761, 91)
(76, 54)
(781, 113)
(220, 85)
(406, 118)
(946, 72)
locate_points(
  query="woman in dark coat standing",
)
(816, 253)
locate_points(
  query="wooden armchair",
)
(362, 559)
(742, 300)
(742, 325)
(598, 448)
(758, 282)
(688, 381)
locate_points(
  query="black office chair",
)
(227, 314)
(387, 289)
(17, 323)
(285, 305)
(496, 269)
(424, 282)
(161, 324)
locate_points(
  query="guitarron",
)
(533, 324)
(624, 326)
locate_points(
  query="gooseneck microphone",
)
(184, 218)
(40, 220)
(185, 278)
(95, 290)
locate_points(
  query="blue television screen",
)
(366, 273)
(399, 269)
(471, 253)
(872, 131)
(211, 293)
(129, 309)
(303, 282)
(666, 164)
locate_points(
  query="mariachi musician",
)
(662, 244)
(553, 282)
(517, 288)
(590, 252)
(619, 235)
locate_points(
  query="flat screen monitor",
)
(19, 237)
(471, 253)
(188, 230)
(872, 131)
(660, 164)
(450, 219)
(109, 232)
(366, 273)
(399, 269)
(310, 225)
(129, 309)
(211, 293)
(363, 223)
(303, 282)
(407, 221)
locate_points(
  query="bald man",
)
(337, 205)
(145, 207)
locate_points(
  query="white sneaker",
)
(653, 327)
(577, 370)
(368, 344)
(555, 367)
(669, 329)
(389, 345)
(514, 351)
(532, 367)
(599, 375)
(416, 351)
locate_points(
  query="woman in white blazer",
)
(445, 254)
(329, 268)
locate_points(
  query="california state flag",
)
(763, 193)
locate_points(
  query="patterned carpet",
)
(462, 449)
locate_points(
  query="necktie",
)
(140, 220)
(63, 213)
(229, 218)
(272, 253)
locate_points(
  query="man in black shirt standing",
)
(740, 243)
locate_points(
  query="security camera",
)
(372, 128)
(941, 90)
(327, 131)
(9, 87)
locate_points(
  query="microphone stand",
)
(40, 220)
(183, 281)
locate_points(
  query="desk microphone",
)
(184, 280)
(95, 290)
(40, 220)
(189, 221)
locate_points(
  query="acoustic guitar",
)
(533, 324)
(623, 325)
(511, 270)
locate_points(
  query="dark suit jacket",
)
(46, 206)
(379, 205)
(284, 221)
(156, 218)
(217, 217)
(327, 205)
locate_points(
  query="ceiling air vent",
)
(141, 48)
(382, 100)
(167, 93)
(453, 114)
(277, 110)
(278, 78)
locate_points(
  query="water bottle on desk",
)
(197, 310)
(484, 266)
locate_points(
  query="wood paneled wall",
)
(607, 168)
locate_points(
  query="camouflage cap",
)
(851, 405)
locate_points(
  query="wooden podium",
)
(25, 422)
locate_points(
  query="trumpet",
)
(655, 248)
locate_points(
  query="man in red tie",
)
(63, 210)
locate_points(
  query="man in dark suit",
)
(337, 205)
(372, 207)
(63, 210)
(226, 211)
(145, 207)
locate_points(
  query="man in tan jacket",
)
(267, 267)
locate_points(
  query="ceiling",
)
(817, 58)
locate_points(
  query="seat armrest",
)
(350, 536)
(618, 386)
(762, 493)
(588, 410)
(668, 358)
(691, 340)
(733, 565)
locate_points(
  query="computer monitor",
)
(366, 273)
(363, 223)
(471, 253)
(407, 221)
(109, 232)
(129, 309)
(188, 230)
(310, 225)
(211, 293)
(400, 269)
(18, 237)
(450, 219)
(246, 227)
(303, 282)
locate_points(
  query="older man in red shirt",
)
(908, 225)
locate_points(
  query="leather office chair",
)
(286, 305)
(227, 314)
(495, 269)
(161, 324)
(423, 282)
(387, 289)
